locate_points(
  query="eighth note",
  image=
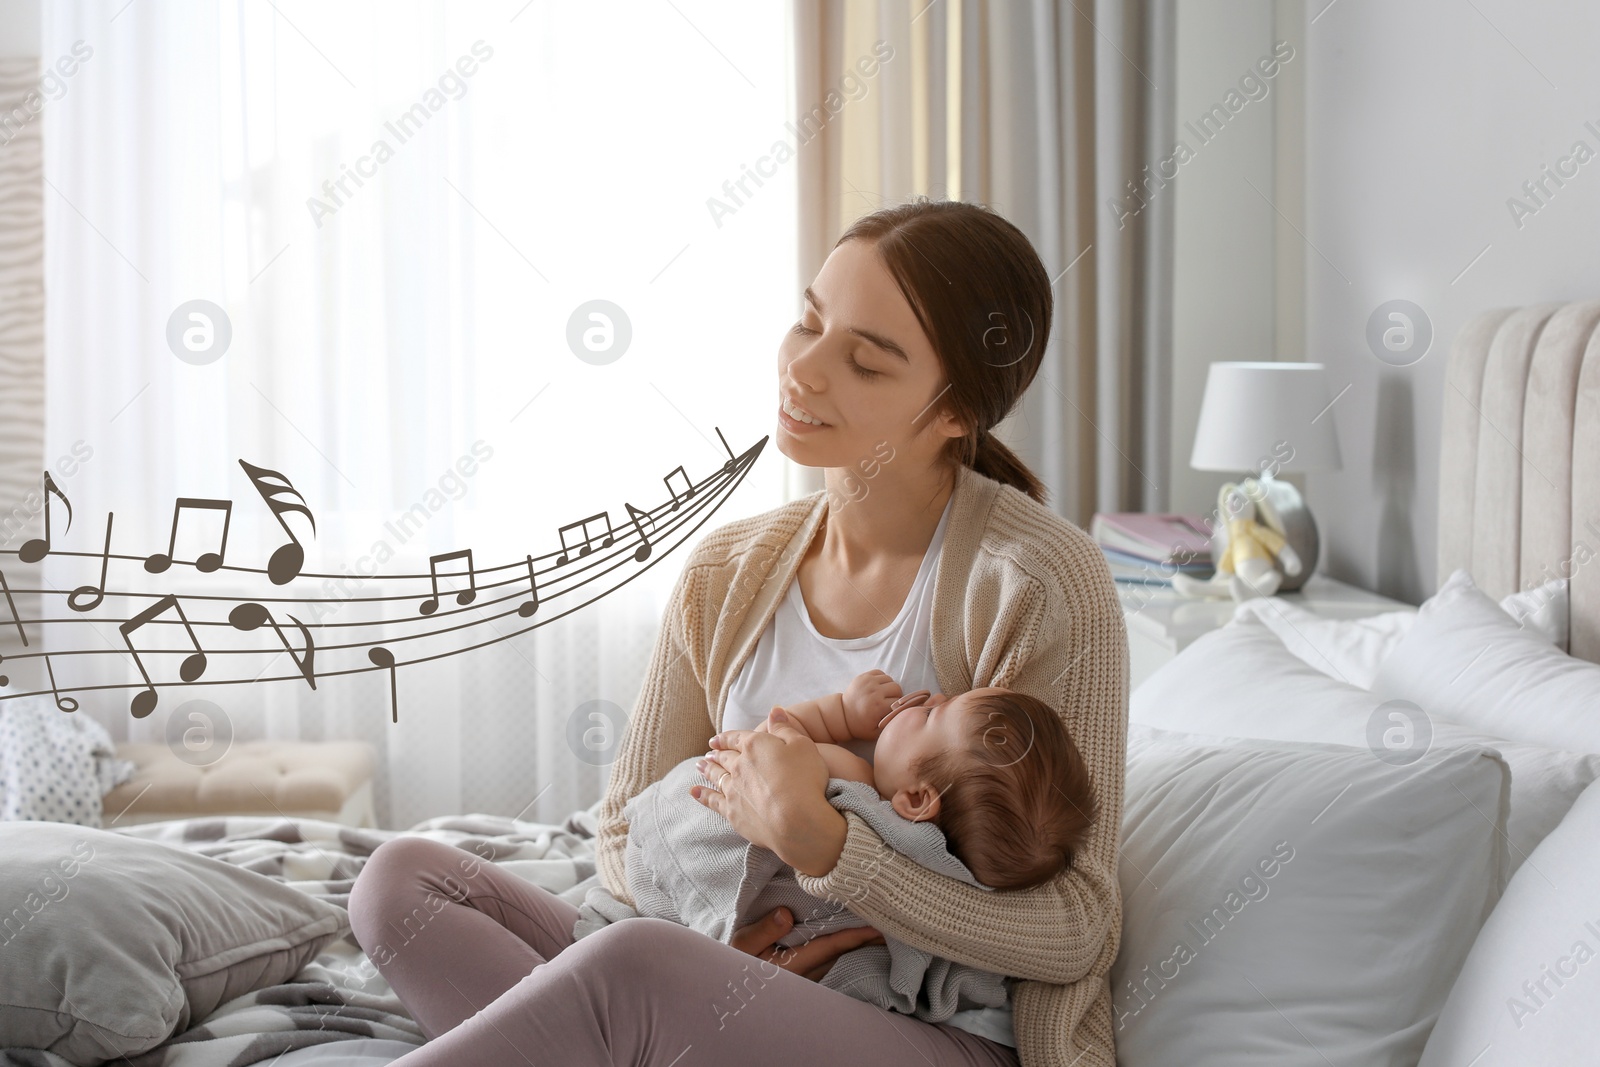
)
(466, 596)
(35, 550)
(206, 562)
(582, 526)
(641, 553)
(193, 666)
(253, 616)
(688, 491)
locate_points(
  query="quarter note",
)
(98, 592)
(67, 704)
(193, 666)
(688, 486)
(466, 596)
(582, 525)
(12, 604)
(732, 459)
(533, 593)
(641, 553)
(35, 550)
(382, 657)
(285, 563)
(206, 562)
(252, 616)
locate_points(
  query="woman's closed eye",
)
(800, 329)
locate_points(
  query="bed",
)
(1335, 849)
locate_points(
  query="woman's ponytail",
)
(990, 457)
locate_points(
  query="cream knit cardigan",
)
(1023, 599)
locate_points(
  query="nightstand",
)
(1161, 623)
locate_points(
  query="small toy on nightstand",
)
(1254, 558)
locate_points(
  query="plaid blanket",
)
(339, 997)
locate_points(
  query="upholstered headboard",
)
(1519, 465)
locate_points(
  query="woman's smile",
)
(796, 419)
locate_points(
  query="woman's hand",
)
(772, 788)
(811, 960)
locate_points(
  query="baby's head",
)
(999, 774)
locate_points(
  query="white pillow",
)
(1347, 649)
(1352, 650)
(1239, 680)
(1544, 610)
(1464, 659)
(1293, 904)
(1529, 992)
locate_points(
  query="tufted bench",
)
(329, 780)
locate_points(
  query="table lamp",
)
(1262, 418)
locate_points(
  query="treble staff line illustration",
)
(518, 583)
(546, 591)
(586, 555)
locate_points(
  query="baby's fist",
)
(867, 699)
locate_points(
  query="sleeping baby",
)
(987, 788)
(995, 769)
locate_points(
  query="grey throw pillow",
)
(110, 944)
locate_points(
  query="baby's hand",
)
(867, 699)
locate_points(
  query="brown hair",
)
(1020, 802)
(984, 299)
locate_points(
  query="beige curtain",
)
(1043, 111)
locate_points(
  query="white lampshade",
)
(1254, 414)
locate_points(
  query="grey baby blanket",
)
(687, 864)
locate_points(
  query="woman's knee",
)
(389, 880)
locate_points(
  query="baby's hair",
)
(1019, 802)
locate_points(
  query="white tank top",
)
(793, 662)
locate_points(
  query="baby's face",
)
(915, 732)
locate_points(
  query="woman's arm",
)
(670, 723)
(1071, 652)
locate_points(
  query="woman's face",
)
(859, 363)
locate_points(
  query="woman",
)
(929, 555)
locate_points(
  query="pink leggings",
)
(486, 964)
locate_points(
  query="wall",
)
(1422, 119)
(1236, 277)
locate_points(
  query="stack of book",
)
(1148, 548)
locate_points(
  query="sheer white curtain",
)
(399, 208)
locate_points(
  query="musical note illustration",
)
(4, 681)
(663, 526)
(192, 667)
(641, 553)
(382, 657)
(733, 460)
(466, 596)
(533, 592)
(35, 550)
(96, 591)
(12, 604)
(285, 563)
(688, 486)
(67, 704)
(582, 525)
(251, 616)
(206, 562)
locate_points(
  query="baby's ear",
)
(919, 803)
